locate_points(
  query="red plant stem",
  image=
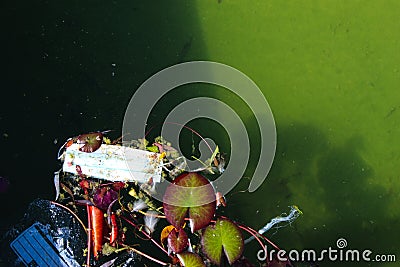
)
(70, 211)
(266, 239)
(114, 230)
(256, 235)
(89, 232)
(196, 133)
(146, 234)
(149, 257)
(247, 229)
(187, 127)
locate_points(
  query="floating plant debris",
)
(105, 211)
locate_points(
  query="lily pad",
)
(189, 259)
(225, 237)
(190, 195)
(91, 142)
(178, 240)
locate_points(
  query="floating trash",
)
(36, 247)
(47, 232)
(115, 163)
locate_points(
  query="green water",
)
(329, 69)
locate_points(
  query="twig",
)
(146, 234)
(147, 256)
(154, 215)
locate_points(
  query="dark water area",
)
(71, 68)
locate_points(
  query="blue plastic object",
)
(35, 247)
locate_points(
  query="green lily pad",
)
(189, 259)
(178, 240)
(225, 237)
(189, 195)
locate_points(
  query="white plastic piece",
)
(115, 163)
